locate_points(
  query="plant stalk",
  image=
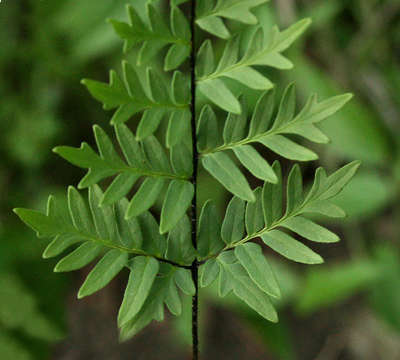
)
(195, 265)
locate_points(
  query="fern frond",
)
(143, 159)
(136, 244)
(98, 228)
(157, 36)
(164, 291)
(210, 14)
(245, 221)
(240, 133)
(239, 67)
(156, 97)
(240, 266)
(163, 256)
(102, 228)
(317, 199)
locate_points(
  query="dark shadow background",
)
(347, 309)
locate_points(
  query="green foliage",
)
(98, 229)
(264, 128)
(209, 14)
(155, 98)
(159, 255)
(103, 232)
(237, 64)
(146, 159)
(156, 36)
(242, 224)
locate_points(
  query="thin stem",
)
(255, 138)
(139, 252)
(278, 223)
(195, 265)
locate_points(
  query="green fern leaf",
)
(290, 248)
(237, 66)
(142, 276)
(163, 291)
(135, 243)
(210, 12)
(98, 229)
(262, 128)
(144, 158)
(208, 232)
(131, 96)
(254, 219)
(244, 288)
(297, 206)
(104, 271)
(221, 166)
(157, 36)
(251, 258)
(209, 272)
(246, 271)
(233, 225)
(177, 200)
(179, 243)
(184, 281)
(163, 256)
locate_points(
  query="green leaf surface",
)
(145, 197)
(209, 16)
(262, 115)
(209, 240)
(251, 258)
(255, 163)
(254, 218)
(119, 187)
(268, 130)
(177, 200)
(79, 212)
(179, 243)
(246, 290)
(104, 271)
(290, 248)
(234, 222)
(141, 278)
(235, 124)
(59, 245)
(207, 129)
(220, 166)
(217, 92)
(288, 148)
(310, 230)
(339, 179)
(157, 36)
(133, 95)
(173, 301)
(184, 281)
(294, 195)
(38, 222)
(178, 127)
(149, 123)
(209, 273)
(272, 197)
(79, 258)
(238, 65)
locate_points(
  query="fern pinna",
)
(182, 249)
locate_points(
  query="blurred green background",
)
(348, 308)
